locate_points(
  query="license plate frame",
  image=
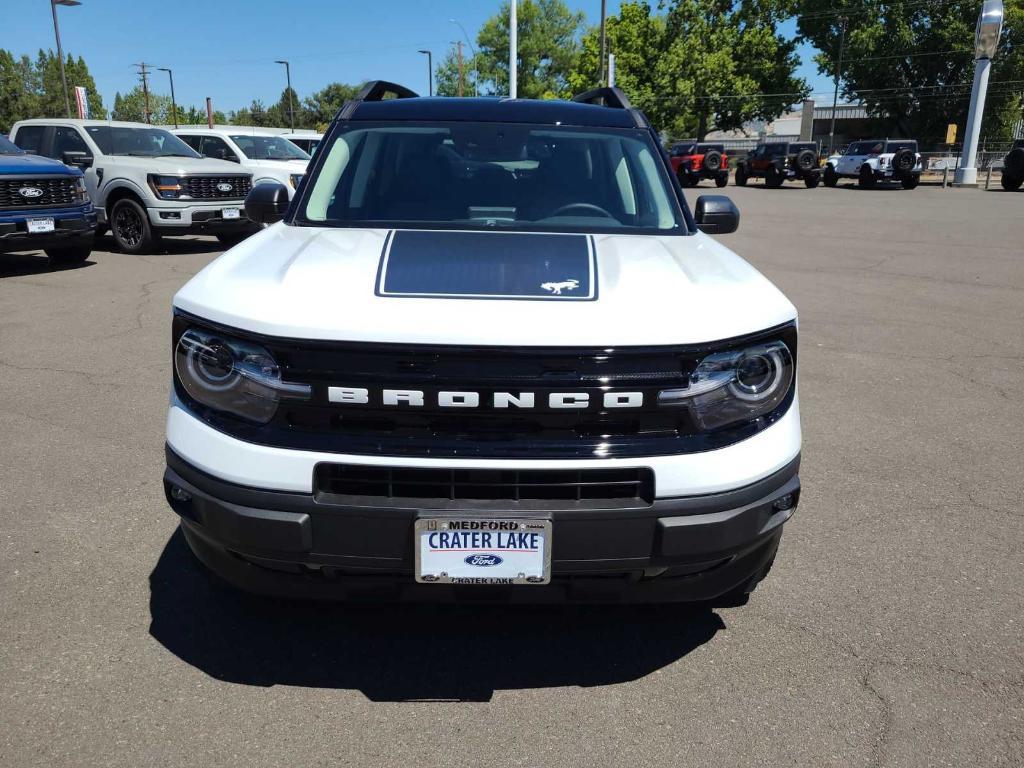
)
(40, 225)
(450, 565)
(231, 214)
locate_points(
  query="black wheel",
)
(72, 255)
(773, 178)
(866, 179)
(722, 179)
(811, 180)
(130, 226)
(804, 160)
(1014, 162)
(712, 160)
(904, 161)
(1010, 182)
(685, 179)
(229, 239)
(909, 182)
(741, 176)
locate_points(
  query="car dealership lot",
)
(887, 634)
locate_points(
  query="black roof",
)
(493, 109)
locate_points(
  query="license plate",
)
(483, 551)
(40, 225)
(231, 213)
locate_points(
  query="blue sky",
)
(226, 48)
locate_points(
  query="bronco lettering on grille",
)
(417, 398)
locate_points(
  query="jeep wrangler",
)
(487, 352)
(877, 160)
(1013, 167)
(777, 162)
(693, 161)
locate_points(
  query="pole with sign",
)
(986, 40)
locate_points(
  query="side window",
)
(68, 140)
(192, 140)
(30, 137)
(215, 146)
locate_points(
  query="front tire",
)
(773, 178)
(231, 239)
(811, 180)
(129, 223)
(1010, 182)
(721, 180)
(866, 178)
(66, 256)
(741, 176)
(910, 182)
(831, 177)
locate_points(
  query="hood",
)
(14, 164)
(601, 290)
(174, 166)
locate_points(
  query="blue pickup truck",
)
(44, 206)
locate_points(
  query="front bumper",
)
(290, 544)
(72, 228)
(207, 217)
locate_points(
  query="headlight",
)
(81, 193)
(736, 386)
(166, 187)
(233, 376)
(294, 179)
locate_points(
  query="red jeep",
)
(693, 161)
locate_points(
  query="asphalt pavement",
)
(888, 633)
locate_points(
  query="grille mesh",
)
(56, 192)
(206, 187)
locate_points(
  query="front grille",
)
(630, 486)
(56, 192)
(206, 187)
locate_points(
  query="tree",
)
(548, 46)
(912, 64)
(34, 88)
(700, 65)
(132, 107)
(19, 92)
(320, 108)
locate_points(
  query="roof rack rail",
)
(604, 97)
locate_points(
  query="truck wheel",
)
(904, 161)
(866, 178)
(712, 160)
(1010, 182)
(805, 160)
(130, 226)
(685, 180)
(773, 178)
(811, 180)
(73, 255)
(229, 239)
(741, 176)
(722, 179)
(831, 177)
(909, 182)
(1014, 162)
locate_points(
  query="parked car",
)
(145, 182)
(489, 351)
(270, 157)
(306, 141)
(777, 162)
(1013, 167)
(693, 161)
(44, 206)
(878, 160)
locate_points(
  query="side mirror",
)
(267, 203)
(77, 158)
(715, 215)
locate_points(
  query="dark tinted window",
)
(192, 140)
(709, 147)
(30, 137)
(896, 146)
(801, 146)
(215, 146)
(872, 147)
(683, 149)
(775, 150)
(68, 140)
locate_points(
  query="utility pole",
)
(291, 108)
(513, 50)
(835, 93)
(174, 104)
(430, 71)
(600, 80)
(458, 44)
(144, 74)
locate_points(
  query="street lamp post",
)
(174, 104)
(291, 108)
(986, 40)
(513, 50)
(60, 50)
(430, 72)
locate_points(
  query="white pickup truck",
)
(271, 158)
(869, 162)
(144, 182)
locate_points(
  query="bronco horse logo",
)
(557, 288)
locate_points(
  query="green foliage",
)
(34, 89)
(700, 65)
(320, 108)
(132, 107)
(912, 63)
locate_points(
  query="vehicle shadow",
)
(409, 652)
(168, 246)
(33, 263)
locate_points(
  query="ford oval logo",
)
(484, 561)
(30, 192)
(224, 187)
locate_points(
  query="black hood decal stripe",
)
(488, 265)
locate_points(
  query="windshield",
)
(268, 148)
(7, 148)
(487, 175)
(138, 142)
(866, 148)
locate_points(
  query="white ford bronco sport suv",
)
(870, 162)
(269, 157)
(487, 352)
(145, 182)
